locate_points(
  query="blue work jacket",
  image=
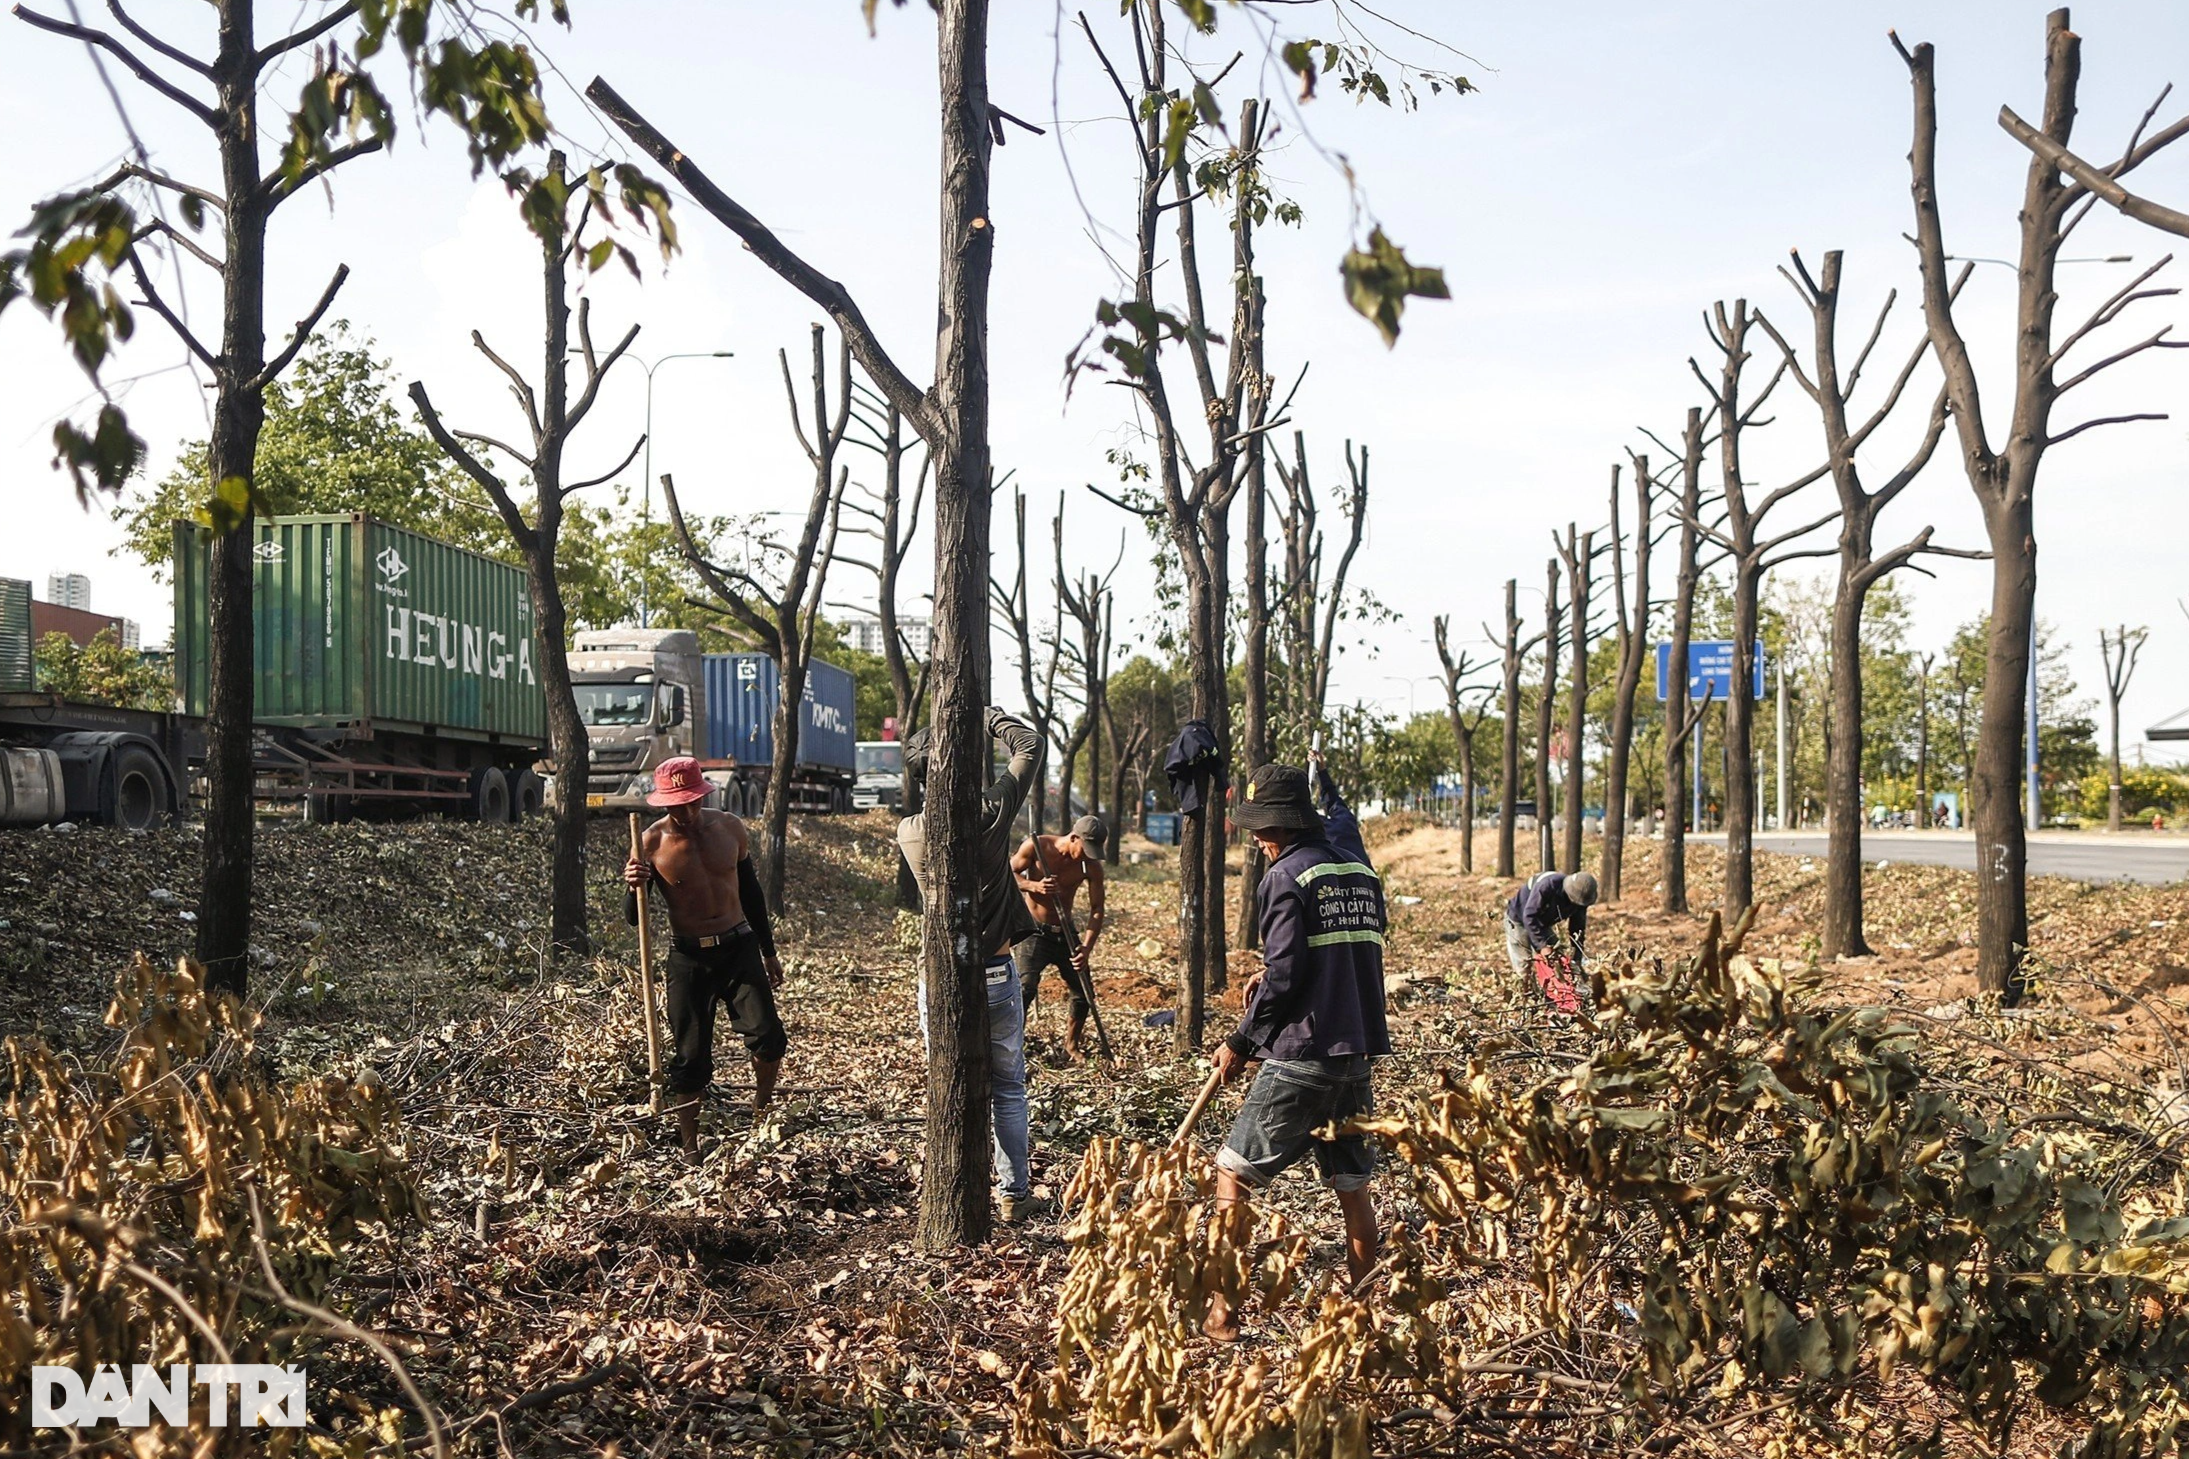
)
(1322, 921)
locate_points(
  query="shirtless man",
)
(723, 948)
(1049, 871)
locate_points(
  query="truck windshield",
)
(885, 759)
(600, 704)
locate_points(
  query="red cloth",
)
(1555, 978)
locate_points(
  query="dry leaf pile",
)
(166, 1202)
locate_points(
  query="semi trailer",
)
(649, 694)
(393, 674)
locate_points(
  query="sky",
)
(1620, 167)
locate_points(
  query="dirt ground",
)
(770, 1300)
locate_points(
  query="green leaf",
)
(598, 255)
(1176, 131)
(1200, 13)
(229, 507)
(1378, 281)
(102, 458)
(1299, 58)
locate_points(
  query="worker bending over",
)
(1050, 871)
(1533, 920)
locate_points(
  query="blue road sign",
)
(1709, 666)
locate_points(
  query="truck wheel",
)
(527, 794)
(329, 808)
(489, 795)
(139, 788)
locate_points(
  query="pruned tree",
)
(893, 524)
(1191, 498)
(2120, 652)
(1860, 565)
(1255, 742)
(1546, 711)
(84, 243)
(1086, 599)
(1516, 651)
(782, 615)
(1313, 607)
(1464, 725)
(1682, 718)
(1633, 645)
(551, 418)
(1752, 556)
(1579, 556)
(1037, 685)
(1132, 743)
(2004, 478)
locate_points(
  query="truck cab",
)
(643, 699)
(880, 776)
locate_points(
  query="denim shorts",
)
(1291, 1100)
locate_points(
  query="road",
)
(2084, 857)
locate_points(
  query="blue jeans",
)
(1006, 1075)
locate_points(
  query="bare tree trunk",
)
(2004, 480)
(1842, 933)
(954, 1204)
(1577, 558)
(1740, 749)
(239, 411)
(2120, 654)
(952, 418)
(1254, 711)
(551, 417)
(1463, 731)
(1680, 720)
(1509, 776)
(1633, 648)
(1546, 711)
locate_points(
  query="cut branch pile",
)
(164, 1202)
(1742, 1202)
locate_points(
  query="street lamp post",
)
(646, 486)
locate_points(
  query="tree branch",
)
(519, 386)
(308, 34)
(503, 446)
(2104, 420)
(157, 178)
(126, 56)
(614, 471)
(279, 187)
(594, 374)
(2102, 183)
(822, 290)
(280, 362)
(717, 579)
(471, 466)
(157, 305)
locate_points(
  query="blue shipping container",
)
(1163, 827)
(741, 695)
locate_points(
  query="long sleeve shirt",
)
(1339, 822)
(1541, 905)
(1321, 995)
(1004, 919)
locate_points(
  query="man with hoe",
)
(1050, 871)
(724, 948)
(1314, 1017)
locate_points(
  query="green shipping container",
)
(365, 626)
(17, 662)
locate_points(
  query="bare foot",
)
(1222, 1323)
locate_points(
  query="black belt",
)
(712, 939)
